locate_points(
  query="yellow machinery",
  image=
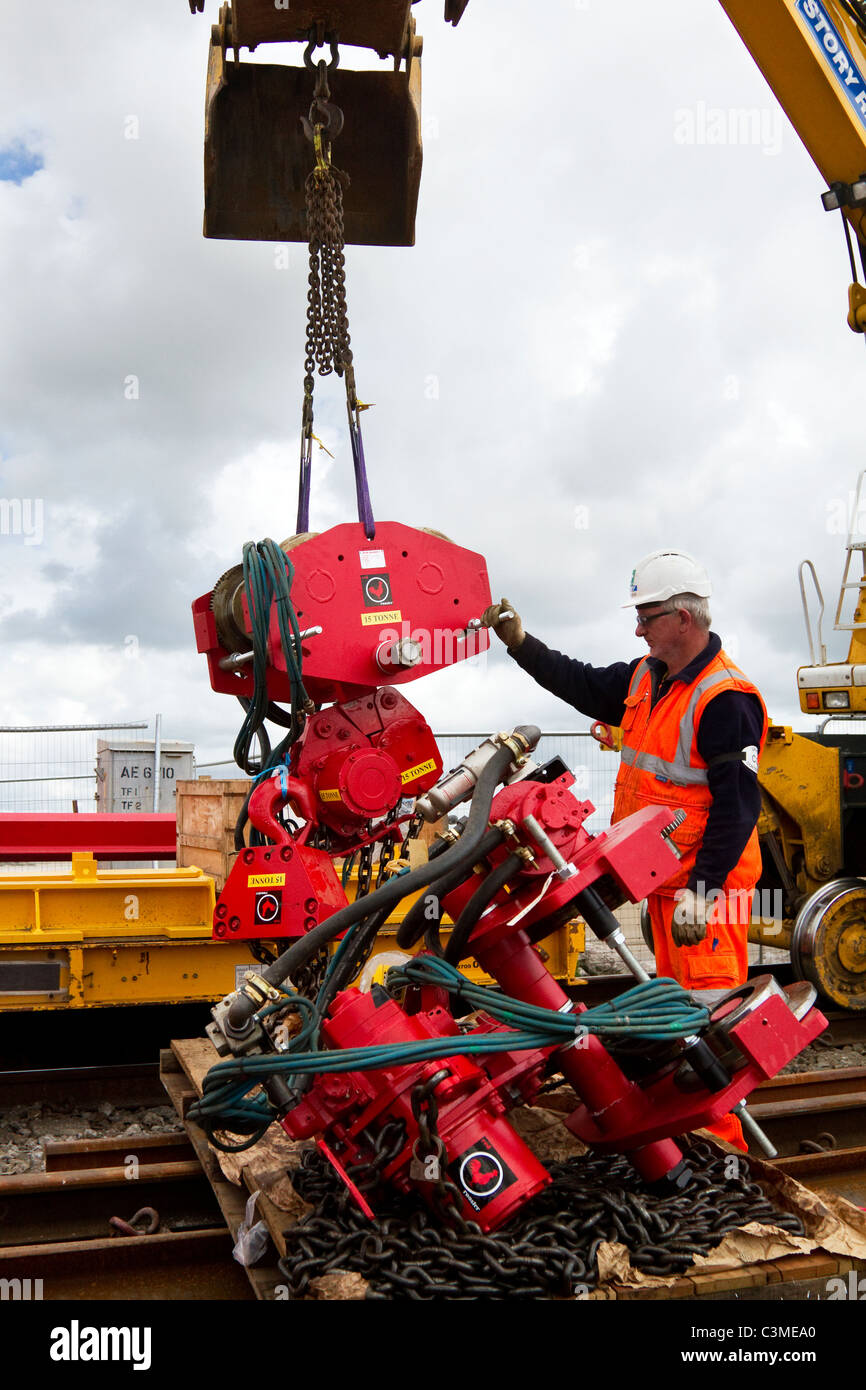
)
(813, 55)
(93, 937)
(813, 819)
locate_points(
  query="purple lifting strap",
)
(303, 522)
(362, 491)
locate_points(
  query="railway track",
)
(63, 1227)
(56, 1226)
(809, 1109)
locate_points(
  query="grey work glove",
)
(508, 629)
(689, 922)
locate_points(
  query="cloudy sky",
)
(611, 335)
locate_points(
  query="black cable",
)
(850, 247)
(353, 961)
(432, 939)
(466, 849)
(419, 916)
(286, 718)
(481, 898)
(243, 817)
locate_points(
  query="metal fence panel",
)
(594, 767)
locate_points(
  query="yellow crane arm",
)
(813, 54)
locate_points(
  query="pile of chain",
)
(548, 1251)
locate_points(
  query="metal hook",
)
(326, 115)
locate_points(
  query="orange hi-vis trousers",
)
(720, 961)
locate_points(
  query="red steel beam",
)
(58, 834)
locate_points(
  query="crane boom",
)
(813, 55)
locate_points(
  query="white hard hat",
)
(665, 573)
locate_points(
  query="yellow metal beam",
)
(96, 937)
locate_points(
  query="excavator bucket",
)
(257, 157)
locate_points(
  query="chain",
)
(548, 1250)
(327, 346)
(328, 343)
(387, 854)
(365, 871)
(386, 1145)
(430, 1157)
(308, 980)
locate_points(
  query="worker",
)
(693, 726)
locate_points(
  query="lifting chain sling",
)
(328, 346)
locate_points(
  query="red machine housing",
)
(364, 594)
(352, 767)
(632, 857)
(768, 1038)
(357, 760)
(280, 891)
(491, 1166)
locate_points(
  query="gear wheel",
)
(226, 604)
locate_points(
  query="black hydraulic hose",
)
(465, 849)
(432, 941)
(348, 966)
(455, 950)
(418, 918)
(243, 817)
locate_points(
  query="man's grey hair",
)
(698, 607)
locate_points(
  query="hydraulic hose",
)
(416, 921)
(348, 964)
(455, 950)
(465, 850)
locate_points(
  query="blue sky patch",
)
(17, 163)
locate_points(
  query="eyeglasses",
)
(645, 621)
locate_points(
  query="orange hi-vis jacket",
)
(661, 765)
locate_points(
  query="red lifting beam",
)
(57, 835)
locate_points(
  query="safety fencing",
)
(593, 766)
(52, 767)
